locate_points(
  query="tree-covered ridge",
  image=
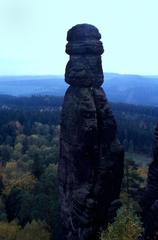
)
(29, 151)
(135, 123)
(28, 168)
(136, 126)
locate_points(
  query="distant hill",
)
(32, 85)
(133, 89)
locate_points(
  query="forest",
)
(29, 153)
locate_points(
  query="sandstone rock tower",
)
(150, 198)
(156, 145)
(91, 158)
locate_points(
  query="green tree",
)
(5, 154)
(132, 182)
(19, 206)
(127, 226)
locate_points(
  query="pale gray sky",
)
(33, 34)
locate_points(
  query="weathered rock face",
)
(149, 201)
(91, 158)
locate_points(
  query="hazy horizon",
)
(62, 75)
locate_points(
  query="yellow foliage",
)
(11, 165)
(34, 231)
(8, 231)
(8, 172)
(142, 171)
(25, 182)
(15, 176)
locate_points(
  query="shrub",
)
(127, 226)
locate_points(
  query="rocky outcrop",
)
(91, 158)
(149, 201)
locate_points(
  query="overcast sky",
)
(33, 34)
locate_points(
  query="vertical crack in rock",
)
(91, 158)
(149, 200)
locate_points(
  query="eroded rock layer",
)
(91, 158)
(149, 201)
